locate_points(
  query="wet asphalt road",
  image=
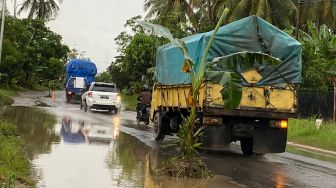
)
(98, 149)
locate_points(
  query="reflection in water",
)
(280, 180)
(35, 127)
(72, 133)
(127, 154)
(76, 132)
(111, 159)
(116, 125)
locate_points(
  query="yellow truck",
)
(268, 90)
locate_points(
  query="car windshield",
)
(105, 88)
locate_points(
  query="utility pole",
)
(333, 80)
(14, 10)
(2, 25)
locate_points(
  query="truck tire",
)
(68, 99)
(246, 145)
(156, 121)
(162, 125)
(147, 121)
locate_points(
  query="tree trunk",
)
(297, 29)
(191, 127)
(209, 11)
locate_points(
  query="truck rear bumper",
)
(265, 139)
(256, 113)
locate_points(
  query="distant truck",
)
(80, 73)
(268, 95)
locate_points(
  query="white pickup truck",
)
(101, 96)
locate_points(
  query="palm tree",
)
(185, 10)
(278, 12)
(40, 9)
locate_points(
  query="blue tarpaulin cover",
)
(81, 68)
(251, 34)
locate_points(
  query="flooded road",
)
(71, 148)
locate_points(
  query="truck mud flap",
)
(216, 135)
(269, 140)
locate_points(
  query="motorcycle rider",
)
(144, 100)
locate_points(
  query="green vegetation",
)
(137, 48)
(137, 54)
(130, 101)
(185, 166)
(304, 131)
(33, 55)
(271, 11)
(311, 154)
(104, 77)
(6, 97)
(319, 56)
(14, 164)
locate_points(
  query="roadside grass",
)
(304, 131)
(6, 97)
(130, 101)
(14, 164)
(311, 154)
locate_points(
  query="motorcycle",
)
(143, 114)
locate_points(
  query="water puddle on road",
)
(69, 152)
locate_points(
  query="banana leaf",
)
(227, 72)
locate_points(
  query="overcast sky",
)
(91, 25)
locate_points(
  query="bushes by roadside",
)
(15, 167)
(304, 131)
(129, 101)
(5, 97)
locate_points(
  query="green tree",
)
(119, 74)
(139, 55)
(183, 11)
(319, 12)
(278, 12)
(104, 77)
(41, 9)
(319, 56)
(32, 53)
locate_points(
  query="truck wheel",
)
(147, 121)
(246, 145)
(156, 121)
(162, 124)
(68, 99)
(81, 105)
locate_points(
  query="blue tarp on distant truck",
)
(81, 68)
(251, 34)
